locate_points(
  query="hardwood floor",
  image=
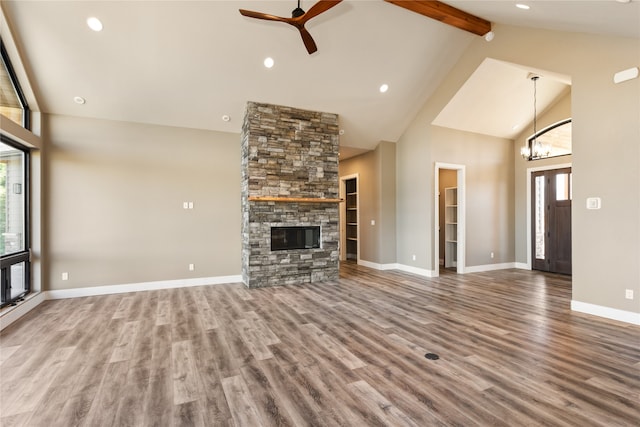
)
(345, 353)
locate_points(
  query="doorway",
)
(349, 218)
(551, 195)
(449, 218)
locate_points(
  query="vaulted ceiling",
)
(189, 63)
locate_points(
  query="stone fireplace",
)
(289, 196)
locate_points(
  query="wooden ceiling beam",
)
(446, 14)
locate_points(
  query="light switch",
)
(185, 205)
(190, 205)
(593, 203)
(373, 222)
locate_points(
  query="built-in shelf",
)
(351, 214)
(292, 199)
(451, 227)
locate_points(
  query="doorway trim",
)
(343, 217)
(530, 172)
(461, 173)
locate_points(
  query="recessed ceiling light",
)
(384, 88)
(268, 62)
(226, 118)
(523, 6)
(79, 100)
(489, 36)
(94, 23)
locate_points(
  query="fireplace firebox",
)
(286, 238)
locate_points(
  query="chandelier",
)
(534, 149)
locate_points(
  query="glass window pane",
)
(571, 186)
(12, 200)
(18, 280)
(563, 186)
(10, 105)
(539, 217)
(552, 141)
(558, 140)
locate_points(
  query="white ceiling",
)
(188, 63)
(511, 93)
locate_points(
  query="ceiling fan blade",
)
(297, 21)
(318, 8)
(265, 16)
(308, 40)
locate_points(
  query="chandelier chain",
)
(534, 143)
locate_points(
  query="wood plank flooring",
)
(343, 353)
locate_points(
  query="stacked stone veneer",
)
(288, 152)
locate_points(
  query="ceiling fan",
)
(298, 18)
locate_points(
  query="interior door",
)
(551, 220)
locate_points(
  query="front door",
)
(551, 220)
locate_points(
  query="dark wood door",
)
(551, 220)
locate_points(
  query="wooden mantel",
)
(293, 199)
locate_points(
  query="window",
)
(12, 101)
(14, 225)
(552, 141)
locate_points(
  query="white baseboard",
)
(376, 266)
(522, 266)
(11, 314)
(489, 267)
(416, 270)
(606, 312)
(143, 286)
(396, 266)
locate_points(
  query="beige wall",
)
(488, 165)
(115, 198)
(387, 211)
(606, 155)
(376, 172)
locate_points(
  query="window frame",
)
(8, 260)
(542, 132)
(26, 112)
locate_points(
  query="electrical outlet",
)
(628, 293)
(191, 267)
(373, 222)
(190, 205)
(414, 257)
(185, 205)
(65, 276)
(491, 255)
